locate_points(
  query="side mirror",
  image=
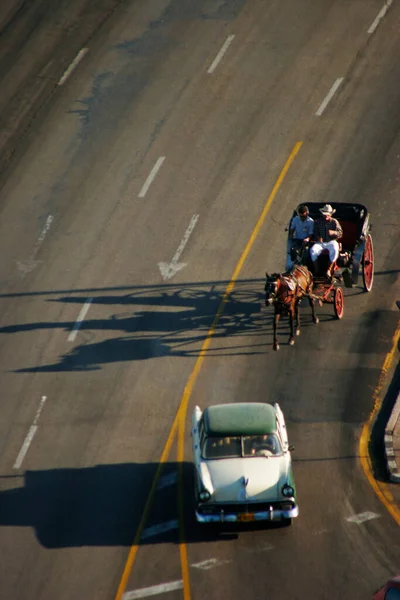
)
(291, 448)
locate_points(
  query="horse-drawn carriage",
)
(355, 252)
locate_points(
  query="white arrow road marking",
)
(362, 517)
(154, 590)
(168, 270)
(220, 54)
(150, 178)
(26, 266)
(161, 528)
(30, 436)
(80, 319)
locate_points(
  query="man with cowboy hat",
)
(327, 231)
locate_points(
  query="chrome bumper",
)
(231, 517)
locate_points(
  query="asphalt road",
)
(127, 206)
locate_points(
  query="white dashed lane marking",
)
(31, 434)
(158, 529)
(329, 96)
(152, 175)
(220, 54)
(154, 590)
(380, 16)
(73, 65)
(80, 319)
(211, 563)
(167, 480)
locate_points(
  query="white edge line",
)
(153, 590)
(220, 54)
(73, 65)
(329, 96)
(150, 178)
(380, 16)
(31, 434)
(80, 319)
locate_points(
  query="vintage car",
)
(242, 462)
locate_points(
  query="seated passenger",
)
(263, 445)
(301, 230)
(327, 231)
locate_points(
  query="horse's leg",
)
(297, 315)
(276, 321)
(314, 315)
(292, 312)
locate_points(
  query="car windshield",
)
(241, 446)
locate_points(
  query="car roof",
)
(250, 418)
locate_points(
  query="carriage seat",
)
(350, 235)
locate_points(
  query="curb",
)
(390, 431)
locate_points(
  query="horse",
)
(284, 291)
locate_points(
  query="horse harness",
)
(291, 284)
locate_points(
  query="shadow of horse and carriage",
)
(307, 279)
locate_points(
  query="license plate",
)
(246, 517)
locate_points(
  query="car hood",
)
(264, 477)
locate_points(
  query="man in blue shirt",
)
(300, 232)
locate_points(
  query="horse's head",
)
(271, 288)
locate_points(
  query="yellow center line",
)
(380, 488)
(179, 421)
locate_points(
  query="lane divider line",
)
(329, 96)
(80, 319)
(380, 488)
(150, 178)
(31, 434)
(380, 16)
(73, 65)
(178, 426)
(153, 590)
(220, 54)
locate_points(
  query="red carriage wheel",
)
(368, 264)
(338, 302)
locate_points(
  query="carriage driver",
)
(301, 230)
(327, 231)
